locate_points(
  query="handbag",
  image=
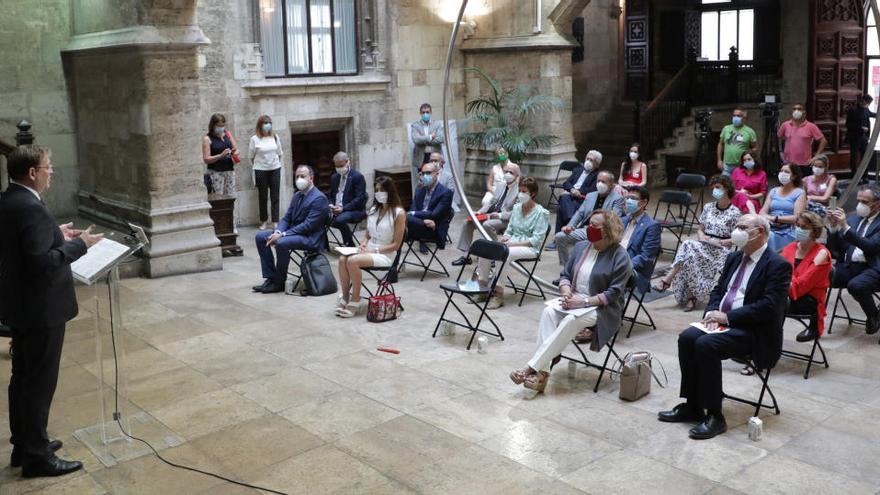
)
(635, 372)
(235, 158)
(384, 305)
(317, 275)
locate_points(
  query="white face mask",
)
(341, 170)
(588, 165)
(863, 210)
(302, 183)
(784, 178)
(739, 237)
(602, 187)
(509, 177)
(381, 197)
(797, 115)
(523, 198)
(818, 170)
(633, 155)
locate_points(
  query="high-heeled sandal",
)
(519, 376)
(662, 285)
(350, 310)
(537, 382)
(690, 305)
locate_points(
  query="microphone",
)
(135, 232)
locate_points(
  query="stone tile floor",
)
(275, 390)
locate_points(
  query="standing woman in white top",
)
(386, 223)
(495, 178)
(265, 153)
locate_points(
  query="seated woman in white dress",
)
(596, 275)
(386, 223)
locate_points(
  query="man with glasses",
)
(431, 209)
(744, 316)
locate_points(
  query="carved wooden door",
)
(636, 48)
(836, 76)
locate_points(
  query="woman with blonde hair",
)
(265, 154)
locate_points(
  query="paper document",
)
(557, 305)
(346, 250)
(703, 327)
(98, 259)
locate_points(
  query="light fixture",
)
(267, 6)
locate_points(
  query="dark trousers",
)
(861, 281)
(700, 355)
(806, 305)
(418, 231)
(568, 206)
(857, 147)
(35, 363)
(268, 186)
(342, 222)
(276, 269)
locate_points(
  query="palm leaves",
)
(505, 117)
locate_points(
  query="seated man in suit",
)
(431, 209)
(302, 228)
(749, 300)
(348, 200)
(605, 197)
(855, 242)
(581, 182)
(498, 213)
(641, 237)
(446, 179)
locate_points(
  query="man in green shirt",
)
(736, 139)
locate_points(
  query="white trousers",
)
(555, 331)
(513, 253)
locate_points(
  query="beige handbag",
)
(635, 372)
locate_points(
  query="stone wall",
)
(795, 48)
(32, 87)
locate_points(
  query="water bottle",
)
(572, 369)
(756, 429)
(482, 344)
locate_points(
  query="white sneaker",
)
(264, 225)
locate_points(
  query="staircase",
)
(612, 137)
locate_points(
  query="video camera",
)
(703, 123)
(771, 107)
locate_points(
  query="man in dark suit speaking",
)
(749, 300)
(36, 300)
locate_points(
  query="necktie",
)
(734, 288)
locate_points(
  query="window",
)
(308, 37)
(722, 29)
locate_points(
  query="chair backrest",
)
(690, 181)
(490, 250)
(675, 198)
(566, 166)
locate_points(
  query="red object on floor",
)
(390, 351)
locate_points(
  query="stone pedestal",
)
(223, 214)
(135, 93)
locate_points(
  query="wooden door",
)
(836, 73)
(317, 149)
(636, 50)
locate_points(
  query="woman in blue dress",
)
(782, 207)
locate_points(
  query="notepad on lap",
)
(346, 250)
(704, 328)
(557, 305)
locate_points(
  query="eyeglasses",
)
(47, 167)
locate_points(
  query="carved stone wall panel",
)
(825, 77)
(839, 11)
(825, 108)
(851, 77)
(851, 46)
(826, 45)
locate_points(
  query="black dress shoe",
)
(711, 427)
(463, 260)
(423, 248)
(15, 459)
(556, 282)
(872, 324)
(807, 335)
(51, 466)
(272, 288)
(682, 413)
(259, 288)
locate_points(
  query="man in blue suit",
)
(641, 236)
(749, 300)
(302, 228)
(581, 182)
(431, 209)
(606, 197)
(348, 201)
(855, 242)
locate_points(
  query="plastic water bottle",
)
(756, 429)
(482, 344)
(572, 369)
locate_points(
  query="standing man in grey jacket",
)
(427, 136)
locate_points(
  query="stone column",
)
(135, 84)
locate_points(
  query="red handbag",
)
(235, 158)
(384, 305)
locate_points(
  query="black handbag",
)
(317, 275)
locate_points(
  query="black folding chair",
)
(696, 185)
(586, 361)
(633, 293)
(481, 248)
(566, 166)
(433, 247)
(807, 358)
(839, 301)
(296, 259)
(388, 273)
(337, 238)
(672, 200)
(524, 290)
(764, 376)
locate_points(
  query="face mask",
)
(632, 205)
(427, 180)
(784, 178)
(863, 210)
(737, 121)
(749, 164)
(502, 158)
(341, 170)
(509, 177)
(601, 187)
(717, 193)
(633, 155)
(818, 170)
(523, 198)
(801, 234)
(739, 237)
(302, 183)
(797, 115)
(594, 234)
(426, 117)
(267, 127)
(381, 197)
(588, 165)
(220, 131)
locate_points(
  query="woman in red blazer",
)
(811, 262)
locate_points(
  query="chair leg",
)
(443, 314)
(604, 367)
